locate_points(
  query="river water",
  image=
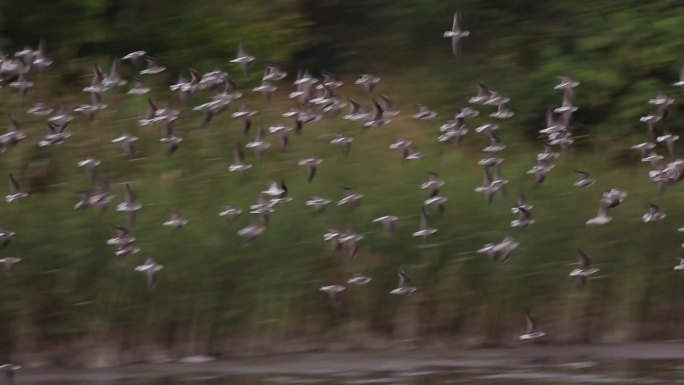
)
(627, 365)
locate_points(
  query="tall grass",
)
(71, 287)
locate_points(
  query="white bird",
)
(239, 163)
(9, 264)
(243, 58)
(15, 194)
(584, 271)
(176, 221)
(318, 203)
(388, 224)
(531, 332)
(150, 268)
(230, 212)
(359, 279)
(584, 180)
(425, 231)
(456, 34)
(403, 288)
(601, 217)
(653, 215)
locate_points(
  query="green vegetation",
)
(71, 287)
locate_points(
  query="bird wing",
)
(483, 89)
(151, 61)
(241, 50)
(168, 127)
(603, 209)
(152, 108)
(583, 174)
(354, 106)
(487, 177)
(378, 110)
(14, 185)
(530, 322)
(387, 101)
(149, 260)
(12, 125)
(522, 201)
(130, 194)
(524, 214)
(98, 76)
(653, 208)
(424, 219)
(115, 73)
(239, 155)
(456, 27)
(283, 187)
(583, 259)
(121, 231)
(403, 278)
(260, 134)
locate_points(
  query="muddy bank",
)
(307, 358)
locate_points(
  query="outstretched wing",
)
(583, 259)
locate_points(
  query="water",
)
(506, 368)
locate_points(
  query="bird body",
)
(653, 215)
(16, 194)
(584, 271)
(456, 34)
(9, 264)
(403, 288)
(176, 221)
(318, 203)
(531, 333)
(150, 268)
(388, 224)
(425, 231)
(359, 279)
(243, 59)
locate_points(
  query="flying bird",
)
(16, 194)
(584, 271)
(404, 286)
(531, 332)
(456, 34)
(150, 268)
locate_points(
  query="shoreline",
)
(332, 362)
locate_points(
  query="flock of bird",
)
(316, 98)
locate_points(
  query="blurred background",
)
(216, 295)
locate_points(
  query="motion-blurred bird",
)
(584, 179)
(16, 194)
(176, 221)
(403, 287)
(584, 271)
(239, 164)
(424, 231)
(388, 224)
(150, 268)
(653, 215)
(130, 206)
(531, 332)
(312, 164)
(9, 264)
(243, 59)
(456, 34)
(359, 279)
